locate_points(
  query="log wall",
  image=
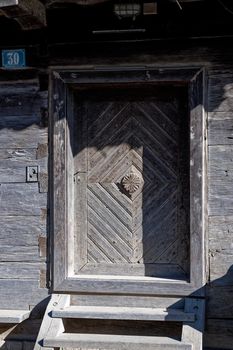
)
(24, 206)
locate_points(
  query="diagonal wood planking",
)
(143, 137)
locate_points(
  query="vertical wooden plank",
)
(58, 174)
(69, 195)
(80, 150)
(80, 124)
(197, 180)
(80, 220)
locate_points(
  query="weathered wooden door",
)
(131, 168)
(128, 181)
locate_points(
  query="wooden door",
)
(131, 167)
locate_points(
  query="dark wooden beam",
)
(93, 2)
(30, 14)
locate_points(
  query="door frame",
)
(62, 83)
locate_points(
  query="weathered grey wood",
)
(27, 331)
(80, 235)
(13, 316)
(126, 301)
(220, 174)
(221, 270)
(220, 237)
(220, 93)
(220, 163)
(123, 313)
(220, 196)
(135, 285)
(111, 341)
(132, 74)
(162, 270)
(28, 345)
(23, 103)
(19, 237)
(11, 345)
(197, 179)
(193, 332)
(220, 131)
(62, 127)
(113, 152)
(24, 270)
(20, 86)
(220, 303)
(29, 14)
(43, 180)
(219, 334)
(21, 199)
(26, 134)
(49, 325)
(16, 345)
(59, 187)
(30, 293)
(13, 163)
(19, 253)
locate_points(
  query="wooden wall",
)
(23, 221)
(23, 206)
(219, 327)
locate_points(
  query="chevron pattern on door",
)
(132, 187)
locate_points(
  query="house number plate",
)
(13, 58)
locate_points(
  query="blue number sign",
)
(13, 58)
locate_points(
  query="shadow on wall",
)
(134, 140)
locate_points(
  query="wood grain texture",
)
(21, 199)
(125, 136)
(19, 237)
(61, 134)
(13, 163)
(220, 173)
(9, 86)
(220, 131)
(30, 14)
(220, 304)
(220, 92)
(27, 134)
(30, 293)
(24, 270)
(124, 313)
(59, 190)
(25, 102)
(13, 316)
(49, 325)
(129, 301)
(198, 186)
(192, 332)
(220, 234)
(219, 334)
(111, 341)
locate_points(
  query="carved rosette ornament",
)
(131, 182)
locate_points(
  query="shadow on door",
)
(131, 165)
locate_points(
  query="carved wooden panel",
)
(131, 183)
